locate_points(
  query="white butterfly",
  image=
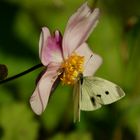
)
(90, 93)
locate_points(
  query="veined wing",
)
(104, 91)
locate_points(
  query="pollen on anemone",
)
(72, 67)
(66, 57)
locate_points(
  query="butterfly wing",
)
(90, 93)
(76, 98)
(104, 91)
(88, 101)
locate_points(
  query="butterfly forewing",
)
(105, 91)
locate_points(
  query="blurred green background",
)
(116, 39)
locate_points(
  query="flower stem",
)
(21, 74)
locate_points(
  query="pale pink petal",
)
(78, 15)
(40, 97)
(92, 60)
(43, 38)
(50, 47)
(78, 29)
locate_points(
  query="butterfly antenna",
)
(88, 60)
(80, 77)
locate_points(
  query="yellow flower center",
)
(72, 67)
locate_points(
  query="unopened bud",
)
(3, 71)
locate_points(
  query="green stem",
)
(21, 74)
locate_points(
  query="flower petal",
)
(92, 60)
(40, 97)
(50, 47)
(79, 27)
(43, 39)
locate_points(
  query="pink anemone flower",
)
(66, 57)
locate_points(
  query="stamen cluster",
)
(72, 67)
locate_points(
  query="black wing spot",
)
(93, 101)
(106, 92)
(98, 95)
